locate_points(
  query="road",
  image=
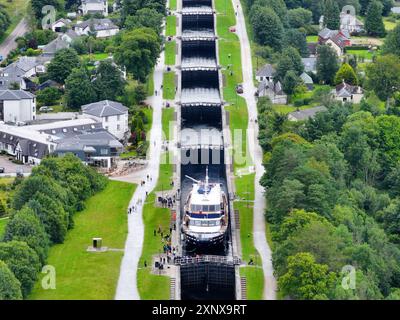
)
(260, 240)
(127, 283)
(9, 43)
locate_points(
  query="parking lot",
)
(10, 168)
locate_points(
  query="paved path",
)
(9, 43)
(127, 283)
(260, 240)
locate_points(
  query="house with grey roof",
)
(19, 71)
(273, 91)
(267, 72)
(101, 28)
(336, 39)
(58, 25)
(345, 92)
(69, 36)
(98, 147)
(113, 115)
(93, 7)
(302, 115)
(17, 106)
(307, 80)
(50, 49)
(310, 64)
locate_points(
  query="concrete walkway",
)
(9, 43)
(127, 283)
(260, 240)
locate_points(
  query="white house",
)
(350, 22)
(113, 115)
(266, 73)
(94, 6)
(17, 106)
(345, 92)
(59, 24)
(102, 28)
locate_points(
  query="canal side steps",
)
(243, 286)
(172, 285)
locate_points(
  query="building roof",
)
(15, 95)
(396, 10)
(97, 24)
(345, 90)
(66, 128)
(310, 64)
(71, 34)
(87, 141)
(55, 45)
(105, 108)
(266, 71)
(306, 113)
(62, 20)
(337, 36)
(270, 87)
(306, 78)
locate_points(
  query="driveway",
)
(9, 43)
(10, 168)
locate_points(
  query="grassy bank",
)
(81, 274)
(169, 85)
(230, 59)
(170, 53)
(170, 29)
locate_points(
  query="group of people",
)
(133, 208)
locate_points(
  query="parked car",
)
(45, 109)
(2, 170)
(239, 88)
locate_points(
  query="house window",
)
(106, 119)
(118, 127)
(118, 118)
(104, 151)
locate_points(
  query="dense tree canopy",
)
(10, 288)
(61, 66)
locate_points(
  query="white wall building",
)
(102, 28)
(113, 115)
(94, 6)
(17, 106)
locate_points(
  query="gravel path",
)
(260, 240)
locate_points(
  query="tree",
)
(3, 210)
(299, 17)
(290, 82)
(26, 226)
(327, 64)
(48, 96)
(108, 82)
(306, 279)
(10, 288)
(383, 76)
(65, 60)
(268, 28)
(332, 15)
(290, 60)
(346, 74)
(138, 51)
(392, 42)
(373, 21)
(296, 39)
(37, 6)
(78, 89)
(145, 17)
(4, 20)
(22, 261)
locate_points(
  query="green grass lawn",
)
(151, 286)
(255, 281)
(312, 39)
(172, 4)
(16, 10)
(150, 83)
(170, 53)
(167, 125)
(83, 275)
(389, 25)
(3, 223)
(170, 29)
(366, 54)
(94, 56)
(229, 55)
(169, 85)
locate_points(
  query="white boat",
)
(206, 217)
